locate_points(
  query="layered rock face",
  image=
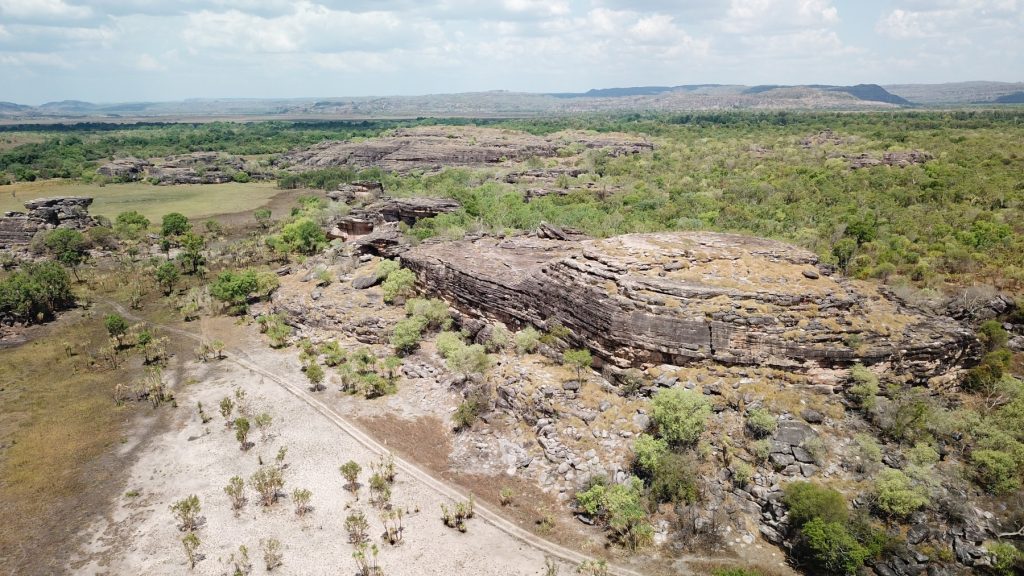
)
(45, 214)
(436, 147)
(675, 298)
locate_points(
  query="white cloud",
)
(778, 16)
(35, 9)
(148, 63)
(942, 18)
(30, 59)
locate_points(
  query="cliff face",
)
(674, 298)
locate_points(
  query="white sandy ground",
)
(193, 458)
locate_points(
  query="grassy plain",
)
(59, 421)
(194, 201)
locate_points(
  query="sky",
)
(162, 50)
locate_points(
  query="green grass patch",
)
(192, 200)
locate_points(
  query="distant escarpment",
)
(435, 147)
(674, 298)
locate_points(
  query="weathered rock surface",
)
(376, 225)
(898, 159)
(45, 214)
(680, 297)
(127, 169)
(194, 168)
(435, 147)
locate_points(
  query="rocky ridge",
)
(194, 168)
(432, 148)
(676, 298)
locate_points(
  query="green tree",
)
(833, 547)
(350, 471)
(116, 326)
(167, 275)
(579, 360)
(680, 415)
(315, 375)
(242, 432)
(67, 247)
(407, 333)
(174, 224)
(303, 236)
(192, 246)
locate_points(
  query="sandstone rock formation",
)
(194, 168)
(18, 228)
(127, 169)
(435, 147)
(377, 223)
(680, 297)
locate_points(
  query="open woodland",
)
(210, 380)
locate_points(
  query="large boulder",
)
(680, 297)
(18, 228)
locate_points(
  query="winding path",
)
(243, 359)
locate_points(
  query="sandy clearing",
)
(193, 458)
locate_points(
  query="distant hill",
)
(1015, 98)
(866, 92)
(955, 92)
(501, 103)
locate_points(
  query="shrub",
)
(922, 454)
(273, 555)
(621, 507)
(357, 527)
(869, 452)
(648, 452)
(807, 501)
(833, 548)
(432, 311)
(303, 236)
(992, 334)
(674, 479)
(466, 414)
(267, 482)
(67, 246)
(236, 492)
(350, 471)
(187, 511)
(35, 292)
(760, 450)
(130, 225)
(1006, 558)
(238, 288)
(398, 284)
(996, 471)
(896, 496)
(386, 267)
(301, 497)
(405, 336)
(527, 340)
(174, 224)
(741, 473)
(680, 415)
(761, 423)
(447, 343)
(500, 338)
(864, 388)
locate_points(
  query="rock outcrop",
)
(376, 225)
(436, 147)
(18, 228)
(675, 298)
(194, 168)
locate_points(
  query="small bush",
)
(896, 496)
(742, 473)
(406, 335)
(833, 548)
(675, 479)
(865, 387)
(527, 340)
(761, 423)
(869, 453)
(398, 284)
(500, 338)
(1006, 558)
(680, 415)
(648, 452)
(996, 471)
(433, 312)
(807, 501)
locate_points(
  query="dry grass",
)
(59, 422)
(193, 200)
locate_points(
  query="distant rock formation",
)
(194, 168)
(18, 228)
(673, 298)
(435, 147)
